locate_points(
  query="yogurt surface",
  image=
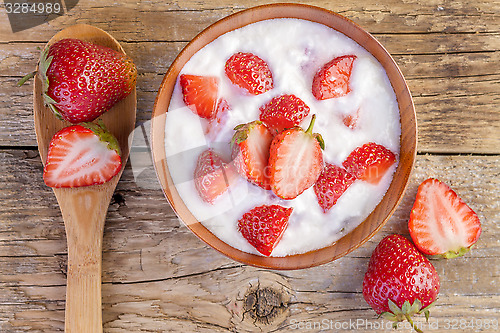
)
(294, 49)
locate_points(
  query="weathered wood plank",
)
(158, 276)
(453, 93)
(167, 21)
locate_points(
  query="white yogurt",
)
(294, 50)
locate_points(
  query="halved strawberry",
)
(212, 177)
(284, 111)
(441, 223)
(331, 184)
(263, 226)
(200, 93)
(369, 162)
(332, 80)
(82, 155)
(250, 152)
(248, 71)
(295, 161)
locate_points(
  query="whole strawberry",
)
(82, 80)
(263, 226)
(400, 281)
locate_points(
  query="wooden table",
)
(157, 276)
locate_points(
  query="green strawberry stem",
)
(408, 317)
(26, 78)
(311, 125)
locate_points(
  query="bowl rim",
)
(243, 18)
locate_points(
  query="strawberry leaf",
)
(394, 308)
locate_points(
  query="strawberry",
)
(441, 223)
(200, 93)
(81, 80)
(351, 120)
(400, 281)
(332, 80)
(369, 162)
(212, 177)
(283, 112)
(217, 123)
(82, 155)
(250, 152)
(248, 71)
(331, 184)
(263, 226)
(295, 161)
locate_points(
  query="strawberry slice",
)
(441, 223)
(263, 226)
(250, 152)
(212, 177)
(248, 71)
(369, 162)
(200, 93)
(283, 112)
(351, 120)
(217, 123)
(82, 155)
(331, 184)
(295, 161)
(332, 80)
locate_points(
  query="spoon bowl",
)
(84, 208)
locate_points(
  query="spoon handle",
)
(84, 212)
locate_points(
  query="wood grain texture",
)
(157, 275)
(84, 208)
(447, 52)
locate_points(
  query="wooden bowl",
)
(408, 140)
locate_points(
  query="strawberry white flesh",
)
(250, 152)
(78, 157)
(298, 159)
(295, 161)
(441, 223)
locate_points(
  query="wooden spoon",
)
(84, 209)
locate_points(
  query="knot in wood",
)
(265, 305)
